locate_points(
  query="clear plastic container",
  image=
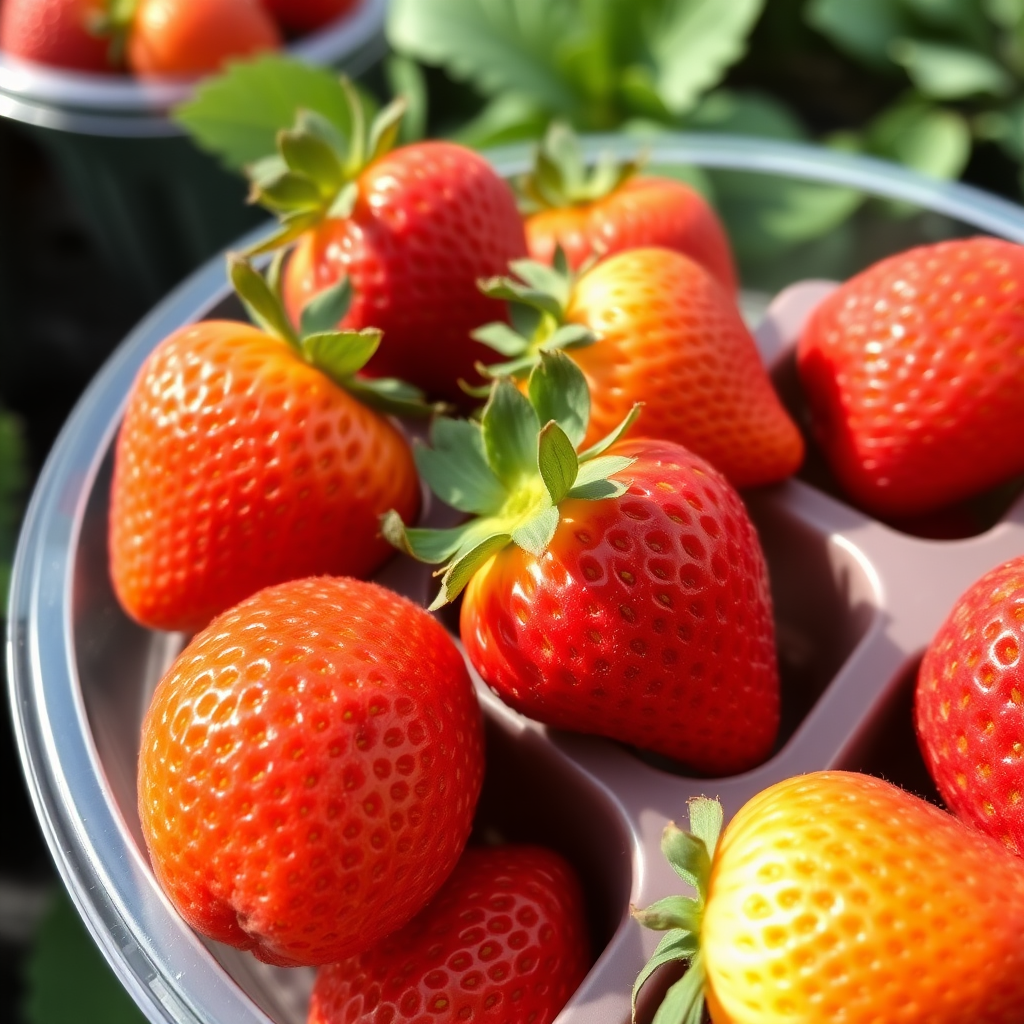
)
(856, 603)
(156, 206)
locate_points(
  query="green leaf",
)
(598, 490)
(259, 300)
(684, 1001)
(706, 817)
(407, 80)
(510, 429)
(502, 338)
(569, 337)
(461, 571)
(327, 308)
(67, 978)
(509, 117)
(288, 192)
(929, 139)
(534, 535)
(310, 156)
(863, 29)
(693, 44)
(340, 354)
(237, 115)
(456, 470)
(426, 545)
(557, 461)
(542, 278)
(678, 944)
(671, 913)
(497, 45)
(386, 128)
(390, 396)
(745, 113)
(688, 855)
(609, 439)
(558, 391)
(946, 72)
(602, 468)
(1005, 13)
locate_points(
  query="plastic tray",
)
(856, 602)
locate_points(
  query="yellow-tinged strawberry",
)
(837, 897)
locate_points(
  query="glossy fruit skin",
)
(912, 373)
(430, 221)
(969, 706)
(196, 37)
(647, 620)
(54, 32)
(837, 896)
(238, 466)
(305, 783)
(301, 16)
(672, 338)
(644, 212)
(505, 940)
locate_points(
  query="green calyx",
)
(510, 470)
(561, 178)
(538, 297)
(113, 21)
(313, 176)
(690, 854)
(338, 354)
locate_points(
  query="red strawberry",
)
(611, 209)
(623, 594)
(242, 463)
(652, 326)
(505, 940)
(414, 229)
(306, 784)
(55, 32)
(969, 706)
(912, 371)
(300, 16)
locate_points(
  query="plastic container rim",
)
(157, 958)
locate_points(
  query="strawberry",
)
(611, 208)
(300, 16)
(651, 325)
(55, 32)
(620, 591)
(247, 457)
(912, 372)
(504, 940)
(195, 37)
(969, 707)
(838, 897)
(413, 229)
(305, 783)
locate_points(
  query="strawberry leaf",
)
(535, 534)
(461, 571)
(598, 490)
(456, 468)
(684, 1001)
(706, 817)
(326, 309)
(678, 944)
(558, 391)
(600, 469)
(500, 337)
(606, 442)
(670, 913)
(390, 396)
(426, 545)
(688, 855)
(568, 337)
(340, 354)
(557, 461)
(309, 155)
(259, 300)
(510, 430)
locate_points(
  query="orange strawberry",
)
(611, 209)
(652, 326)
(195, 37)
(246, 458)
(839, 897)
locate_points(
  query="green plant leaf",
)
(407, 80)
(557, 461)
(559, 392)
(946, 72)
(670, 913)
(263, 306)
(1005, 13)
(510, 429)
(461, 571)
(455, 467)
(930, 139)
(706, 818)
(340, 354)
(327, 308)
(535, 534)
(863, 29)
(601, 446)
(678, 944)
(688, 855)
(598, 470)
(502, 338)
(237, 115)
(684, 1001)
(510, 117)
(694, 42)
(497, 45)
(745, 113)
